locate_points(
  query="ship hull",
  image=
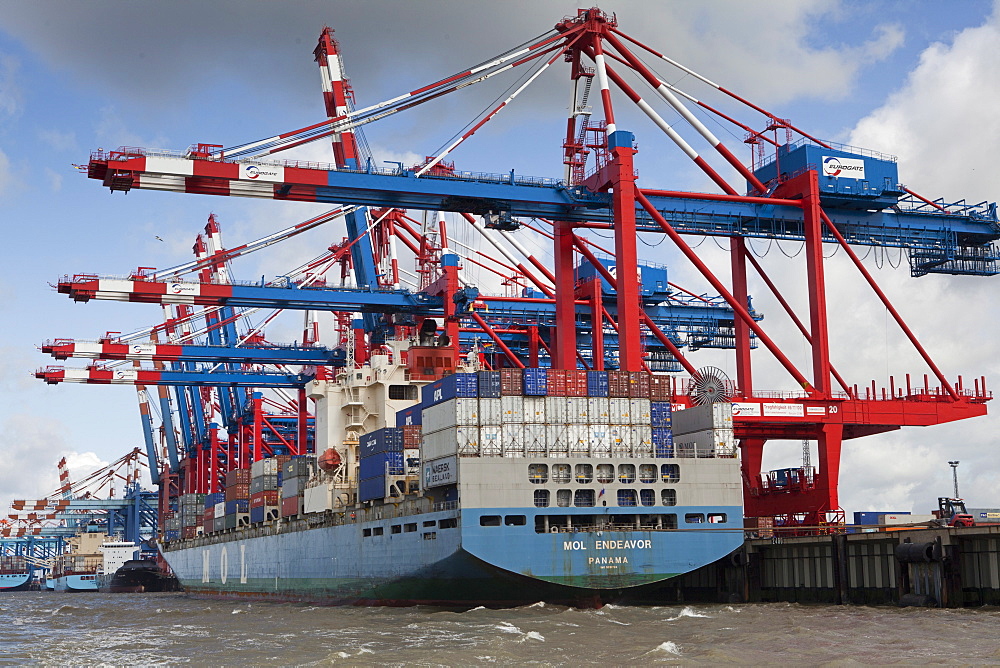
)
(15, 581)
(75, 583)
(444, 559)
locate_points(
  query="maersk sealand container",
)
(849, 177)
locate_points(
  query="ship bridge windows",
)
(605, 473)
(538, 473)
(584, 473)
(647, 473)
(403, 392)
(593, 523)
(560, 473)
(541, 498)
(626, 473)
(670, 472)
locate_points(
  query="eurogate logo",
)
(254, 172)
(849, 168)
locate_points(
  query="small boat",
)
(138, 576)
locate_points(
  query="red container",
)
(189, 532)
(290, 506)
(638, 385)
(556, 382)
(659, 388)
(269, 497)
(411, 436)
(238, 492)
(511, 382)
(237, 477)
(282, 459)
(618, 384)
(576, 383)
(209, 515)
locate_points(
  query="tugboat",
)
(137, 576)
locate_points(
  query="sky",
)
(915, 79)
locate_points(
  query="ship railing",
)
(446, 505)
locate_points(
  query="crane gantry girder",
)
(914, 226)
(98, 375)
(62, 349)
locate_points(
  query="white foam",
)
(669, 647)
(533, 635)
(507, 627)
(686, 612)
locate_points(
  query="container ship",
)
(497, 488)
(88, 557)
(15, 574)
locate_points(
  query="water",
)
(44, 628)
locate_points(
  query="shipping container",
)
(449, 442)
(985, 515)
(535, 382)
(600, 440)
(489, 384)
(461, 385)
(699, 418)
(262, 483)
(261, 467)
(232, 521)
(387, 439)
(373, 488)
(534, 410)
(618, 384)
(220, 523)
(380, 464)
(301, 466)
(621, 440)
(490, 411)
(659, 413)
(597, 383)
(578, 438)
(490, 441)
(638, 385)
(295, 486)
(511, 382)
(556, 383)
(220, 509)
(663, 442)
(209, 514)
(238, 491)
(535, 442)
(409, 416)
(555, 408)
(457, 412)
(599, 410)
(577, 410)
(620, 410)
(642, 440)
(238, 506)
(411, 436)
(512, 439)
(172, 534)
(576, 383)
(237, 477)
(511, 410)
(557, 439)
(640, 411)
(214, 498)
(291, 506)
(659, 388)
(189, 532)
(266, 498)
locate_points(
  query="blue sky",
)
(914, 79)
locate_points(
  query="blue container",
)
(597, 383)
(871, 516)
(257, 515)
(171, 535)
(410, 416)
(387, 439)
(463, 385)
(663, 442)
(489, 384)
(659, 413)
(373, 488)
(536, 382)
(238, 506)
(212, 499)
(376, 465)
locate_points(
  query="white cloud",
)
(60, 141)
(54, 178)
(7, 177)
(11, 96)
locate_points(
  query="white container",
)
(534, 410)
(555, 410)
(557, 438)
(578, 436)
(600, 440)
(490, 441)
(458, 412)
(577, 410)
(490, 411)
(263, 467)
(598, 411)
(621, 440)
(411, 461)
(639, 408)
(512, 410)
(512, 439)
(220, 510)
(620, 410)
(445, 442)
(535, 441)
(642, 440)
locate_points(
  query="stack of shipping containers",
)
(294, 476)
(237, 498)
(192, 510)
(264, 490)
(381, 462)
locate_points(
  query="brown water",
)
(44, 628)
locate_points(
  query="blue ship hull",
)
(15, 581)
(75, 583)
(444, 558)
